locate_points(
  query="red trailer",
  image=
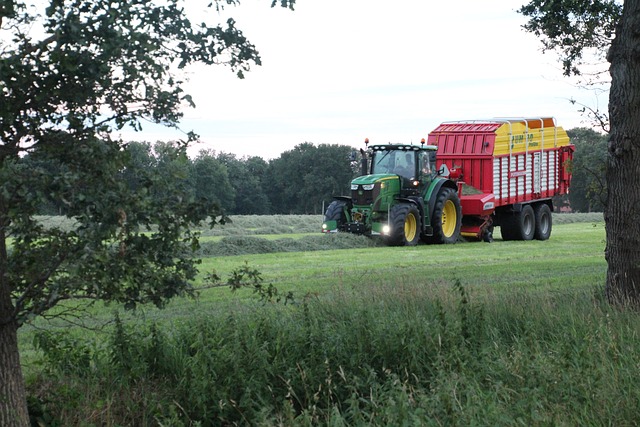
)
(508, 170)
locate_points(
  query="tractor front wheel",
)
(405, 224)
(337, 212)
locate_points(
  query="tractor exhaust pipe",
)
(364, 165)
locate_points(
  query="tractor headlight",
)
(386, 229)
(354, 186)
(368, 187)
(324, 226)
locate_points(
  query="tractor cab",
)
(415, 165)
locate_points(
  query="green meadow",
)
(502, 333)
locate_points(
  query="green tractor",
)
(401, 196)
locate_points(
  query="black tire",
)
(544, 221)
(509, 226)
(527, 223)
(447, 218)
(336, 212)
(404, 219)
(519, 225)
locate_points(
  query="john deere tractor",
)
(400, 197)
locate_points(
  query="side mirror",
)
(444, 171)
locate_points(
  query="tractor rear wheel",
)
(542, 214)
(404, 219)
(336, 212)
(447, 218)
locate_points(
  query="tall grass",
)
(391, 354)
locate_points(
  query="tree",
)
(42, 167)
(573, 28)
(596, 23)
(70, 75)
(247, 179)
(302, 178)
(588, 188)
(140, 159)
(209, 179)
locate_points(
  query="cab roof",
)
(403, 147)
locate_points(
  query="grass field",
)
(503, 333)
(301, 263)
(573, 256)
(308, 262)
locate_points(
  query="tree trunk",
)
(622, 213)
(13, 401)
(13, 398)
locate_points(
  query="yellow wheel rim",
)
(410, 227)
(449, 218)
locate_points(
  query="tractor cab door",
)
(427, 165)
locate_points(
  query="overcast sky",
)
(337, 71)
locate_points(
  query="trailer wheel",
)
(543, 217)
(447, 218)
(520, 225)
(509, 226)
(405, 225)
(336, 212)
(527, 223)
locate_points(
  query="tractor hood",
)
(372, 179)
(375, 191)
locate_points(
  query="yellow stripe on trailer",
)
(517, 136)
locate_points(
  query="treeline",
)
(297, 182)
(300, 181)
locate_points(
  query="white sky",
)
(337, 71)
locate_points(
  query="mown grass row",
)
(254, 234)
(254, 225)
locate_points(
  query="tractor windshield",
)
(393, 161)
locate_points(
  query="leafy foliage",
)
(130, 247)
(210, 180)
(588, 184)
(104, 65)
(247, 177)
(303, 178)
(73, 73)
(573, 27)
